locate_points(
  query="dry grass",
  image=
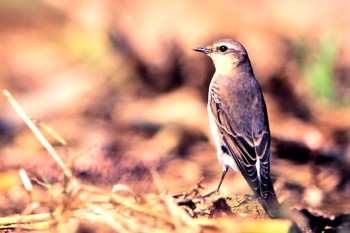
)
(76, 207)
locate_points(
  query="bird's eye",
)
(223, 48)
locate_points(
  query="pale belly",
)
(225, 159)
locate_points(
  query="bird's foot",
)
(214, 192)
(249, 196)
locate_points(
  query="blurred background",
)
(118, 80)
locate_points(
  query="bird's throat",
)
(224, 64)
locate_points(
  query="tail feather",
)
(267, 198)
(270, 205)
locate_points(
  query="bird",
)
(238, 120)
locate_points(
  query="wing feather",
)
(244, 147)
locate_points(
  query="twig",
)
(37, 133)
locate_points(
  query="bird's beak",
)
(202, 50)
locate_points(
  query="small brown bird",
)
(238, 120)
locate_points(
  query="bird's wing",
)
(244, 148)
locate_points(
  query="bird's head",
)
(225, 53)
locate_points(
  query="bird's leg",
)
(224, 172)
